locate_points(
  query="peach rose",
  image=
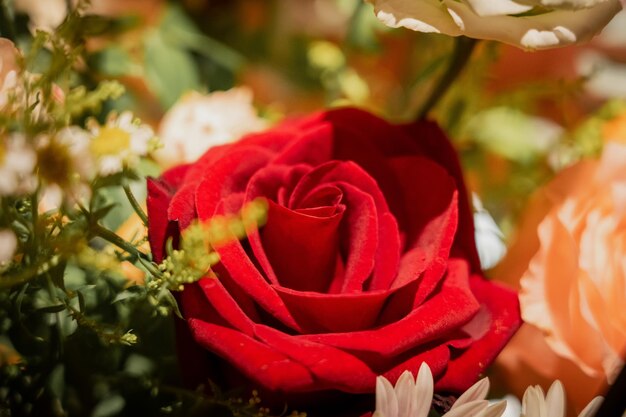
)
(570, 261)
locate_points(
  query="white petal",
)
(478, 391)
(423, 391)
(405, 394)
(494, 410)
(498, 7)
(533, 403)
(471, 409)
(556, 28)
(555, 400)
(422, 16)
(386, 401)
(591, 408)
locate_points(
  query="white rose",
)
(530, 24)
(198, 122)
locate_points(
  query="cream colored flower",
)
(17, 162)
(8, 244)
(119, 143)
(413, 398)
(198, 122)
(536, 404)
(530, 24)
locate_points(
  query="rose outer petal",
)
(500, 319)
(451, 307)
(435, 146)
(160, 192)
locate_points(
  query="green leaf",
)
(114, 61)
(170, 71)
(180, 31)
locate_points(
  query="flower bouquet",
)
(268, 208)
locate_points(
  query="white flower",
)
(119, 143)
(17, 162)
(536, 404)
(411, 398)
(8, 244)
(530, 24)
(198, 122)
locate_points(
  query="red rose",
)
(366, 265)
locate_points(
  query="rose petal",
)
(503, 320)
(160, 193)
(244, 273)
(255, 359)
(453, 306)
(230, 174)
(333, 313)
(436, 147)
(332, 368)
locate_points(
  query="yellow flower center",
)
(110, 141)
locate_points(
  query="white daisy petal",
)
(494, 410)
(470, 409)
(478, 391)
(591, 408)
(405, 394)
(386, 401)
(555, 400)
(423, 391)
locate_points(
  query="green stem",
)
(463, 48)
(136, 206)
(116, 240)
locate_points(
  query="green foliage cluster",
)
(76, 337)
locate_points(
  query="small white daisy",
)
(8, 244)
(411, 398)
(119, 143)
(65, 166)
(17, 162)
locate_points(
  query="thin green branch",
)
(463, 48)
(116, 240)
(135, 204)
